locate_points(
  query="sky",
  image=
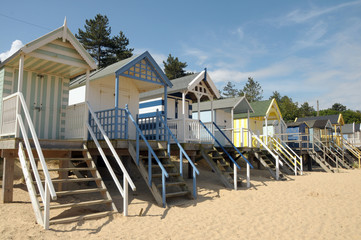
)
(308, 50)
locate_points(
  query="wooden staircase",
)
(320, 160)
(268, 164)
(175, 184)
(220, 166)
(81, 192)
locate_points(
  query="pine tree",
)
(96, 38)
(230, 91)
(174, 68)
(252, 90)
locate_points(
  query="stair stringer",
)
(323, 164)
(260, 157)
(216, 169)
(143, 171)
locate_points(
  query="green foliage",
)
(174, 68)
(102, 47)
(276, 95)
(306, 110)
(288, 108)
(229, 91)
(252, 90)
(338, 107)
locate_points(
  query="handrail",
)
(219, 144)
(283, 149)
(224, 135)
(182, 151)
(127, 180)
(321, 145)
(47, 190)
(150, 153)
(291, 158)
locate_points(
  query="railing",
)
(8, 117)
(317, 143)
(355, 151)
(114, 122)
(237, 150)
(150, 154)
(47, 191)
(126, 178)
(74, 125)
(289, 154)
(189, 130)
(152, 127)
(235, 164)
(276, 157)
(181, 153)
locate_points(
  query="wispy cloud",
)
(300, 16)
(15, 46)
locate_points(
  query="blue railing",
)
(114, 122)
(150, 154)
(224, 135)
(181, 153)
(220, 145)
(152, 127)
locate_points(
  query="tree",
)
(338, 107)
(174, 68)
(252, 90)
(230, 91)
(306, 110)
(102, 47)
(276, 95)
(288, 108)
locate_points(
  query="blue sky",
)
(307, 50)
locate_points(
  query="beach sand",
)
(317, 205)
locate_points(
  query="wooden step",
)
(159, 157)
(73, 180)
(79, 204)
(157, 166)
(156, 175)
(66, 159)
(81, 217)
(171, 184)
(69, 169)
(79, 191)
(176, 194)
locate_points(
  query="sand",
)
(317, 205)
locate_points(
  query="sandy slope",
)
(314, 206)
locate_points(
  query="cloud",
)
(200, 55)
(298, 16)
(15, 46)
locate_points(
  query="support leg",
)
(8, 179)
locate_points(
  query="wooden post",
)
(8, 178)
(86, 111)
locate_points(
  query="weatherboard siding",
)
(46, 97)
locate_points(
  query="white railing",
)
(47, 190)
(276, 157)
(8, 117)
(280, 147)
(126, 178)
(189, 130)
(75, 119)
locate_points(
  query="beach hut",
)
(194, 88)
(351, 132)
(34, 96)
(223, 112)
(266, 120)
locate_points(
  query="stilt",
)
(8, 178)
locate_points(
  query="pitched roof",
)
(260, 109)
(334, 119)
(240, 105)
(120, 67)
(182, 84)
(319, 123)
(295, 124)
(60, 47)
(350, 128)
